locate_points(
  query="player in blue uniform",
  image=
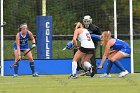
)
(21, 45)
(115, 49)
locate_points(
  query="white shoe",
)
(105, 76)
(124, 73)
(72, 76)
(35, 75)
(15, 75)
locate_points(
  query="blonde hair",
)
(78, 25)
(22, 25)
(107, 36)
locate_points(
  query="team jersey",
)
(23, 42)
(121, 45)
(85, 39)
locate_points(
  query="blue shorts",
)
(22, 47)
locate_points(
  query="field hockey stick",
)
(86, 72)
(4, 23)
(99, 68)
(64, 48)
(21, 57)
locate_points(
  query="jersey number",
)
(88, 36)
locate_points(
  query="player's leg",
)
(115, 60)
(109, 65)
(89, 66)
(108, 68)
(17, 64)
(32, 66)
(93, 58)
(85, 65)
(77, 56)
(79, 67)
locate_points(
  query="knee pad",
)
(87, 65)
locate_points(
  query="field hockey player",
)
(21, 45)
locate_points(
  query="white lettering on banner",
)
(47, 54)
(47, 28)
(47, 46)
(47, 40)
(47, 31)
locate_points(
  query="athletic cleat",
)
(35, 75)
(15, 75)
(92, 71)
(82, 74)
(124, 73)
(105, 75)
(72, 77)
(81, 71)
(88, 73)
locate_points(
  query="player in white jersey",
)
(85, 39)
(85, 51)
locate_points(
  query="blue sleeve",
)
(96, 37)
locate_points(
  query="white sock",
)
(87, 65)
(74, 67)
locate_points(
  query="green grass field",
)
(61, 84)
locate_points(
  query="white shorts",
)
(125, 54)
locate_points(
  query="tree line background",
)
(66, 12)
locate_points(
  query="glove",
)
(33, 45)
(70, 45)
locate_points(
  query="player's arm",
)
(18, 44)
(74, 40)
(94, 29)
(32, 38)
(107, 50)
(98, 31)
(113, 51)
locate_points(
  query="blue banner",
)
(60, 66)
(44, 37)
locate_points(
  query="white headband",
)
(24, 25)
(108, 32)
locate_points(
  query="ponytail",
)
(107, 36)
